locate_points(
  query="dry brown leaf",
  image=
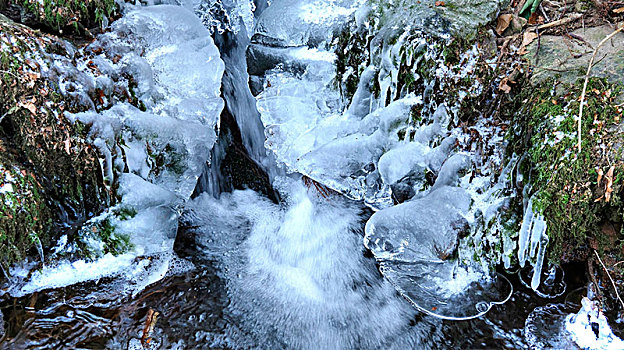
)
(33, 76)
(600, 173)
(527, 39)
(67, 144)
(503, 86)
(619, 10)
(502, 23)
(609, 177)
(440, 3)
(150, 322)
(29, 106)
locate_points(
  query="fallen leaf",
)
(67, 144)
(440, 3)
(150, 322)
(527, 39)
(535, 18)
(600, 173)
(503, 86)
(503, 22)
(609, 177)
(29, 106)
(33, 76)
(619, 10)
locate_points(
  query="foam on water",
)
(296, 273)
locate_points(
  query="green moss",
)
(352, 56)
(563, 179)
(99, 237)
(75, 14)
(23, 214)
(51, 168)
(125, 213)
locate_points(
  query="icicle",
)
(39, 247)
(532, 242)
(525, 230)
(539, 231)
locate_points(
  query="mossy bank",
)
(50, 176)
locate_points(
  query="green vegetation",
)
(23, 213)
(48, 168)
(99, 237)
(577, 192)
(76, 14)
(352, 58)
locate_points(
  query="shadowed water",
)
(294, 275)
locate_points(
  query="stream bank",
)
(396, 114)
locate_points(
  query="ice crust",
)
(554, 327)
(178, 70)
(155, 153)
(580, 326)
(370, 148)
(289, 23)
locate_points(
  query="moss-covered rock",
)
(459, 18)
(53, 173)
(578, 192)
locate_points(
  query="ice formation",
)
(178, 72)
(155, 148)
(293, 266)
(553, 327)
(415, 243)
(590, 330)
(372, 148)
(532, 243)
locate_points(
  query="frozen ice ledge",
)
(153, 145)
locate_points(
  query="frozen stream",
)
(270, 210)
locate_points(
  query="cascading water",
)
(376, 226)
(241, 105)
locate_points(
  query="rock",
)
(568, 59)
(460, 18)
(53, 173)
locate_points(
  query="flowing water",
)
(289, 262)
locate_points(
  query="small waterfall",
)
(240, 123)
(239, 101)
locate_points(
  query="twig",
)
(544, 12)
(7, 72)
(539, 45)
(611, 279)
(559, 22)
(589, 67)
